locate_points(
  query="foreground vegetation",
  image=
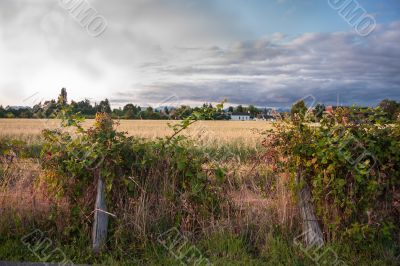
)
(170, 199)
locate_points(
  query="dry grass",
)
(19, 199)
(212, 132)
(255, 197)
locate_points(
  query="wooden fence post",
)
(311, 230)
(99, 232)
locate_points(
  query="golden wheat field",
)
(213, 132)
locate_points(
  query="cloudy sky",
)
(166, 52)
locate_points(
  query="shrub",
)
(351, 162)
(150, 185)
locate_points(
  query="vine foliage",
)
(165, 174)
(351, 162)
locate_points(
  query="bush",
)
(151, 186)
(351, 162)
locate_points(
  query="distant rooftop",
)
(17, 107)
(241, 114)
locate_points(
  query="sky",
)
(269, 53)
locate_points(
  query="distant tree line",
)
(391, 109)
(388, 109)
(50, 109)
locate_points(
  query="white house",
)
(240, 117)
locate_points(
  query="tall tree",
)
(104, 107)
(62, 98)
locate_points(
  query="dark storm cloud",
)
(359, 70)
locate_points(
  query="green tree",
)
(319, 110)
(25, 114)
(239, 109)
(253, 110)
(131, 111)
(84, 107)
(129, 114)
(117, 113)
(50, 108)
(62, 98)
(391, 108)
(2, 112)
(184, 111)
(104, 107)
(299, 108)
(10, 115)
